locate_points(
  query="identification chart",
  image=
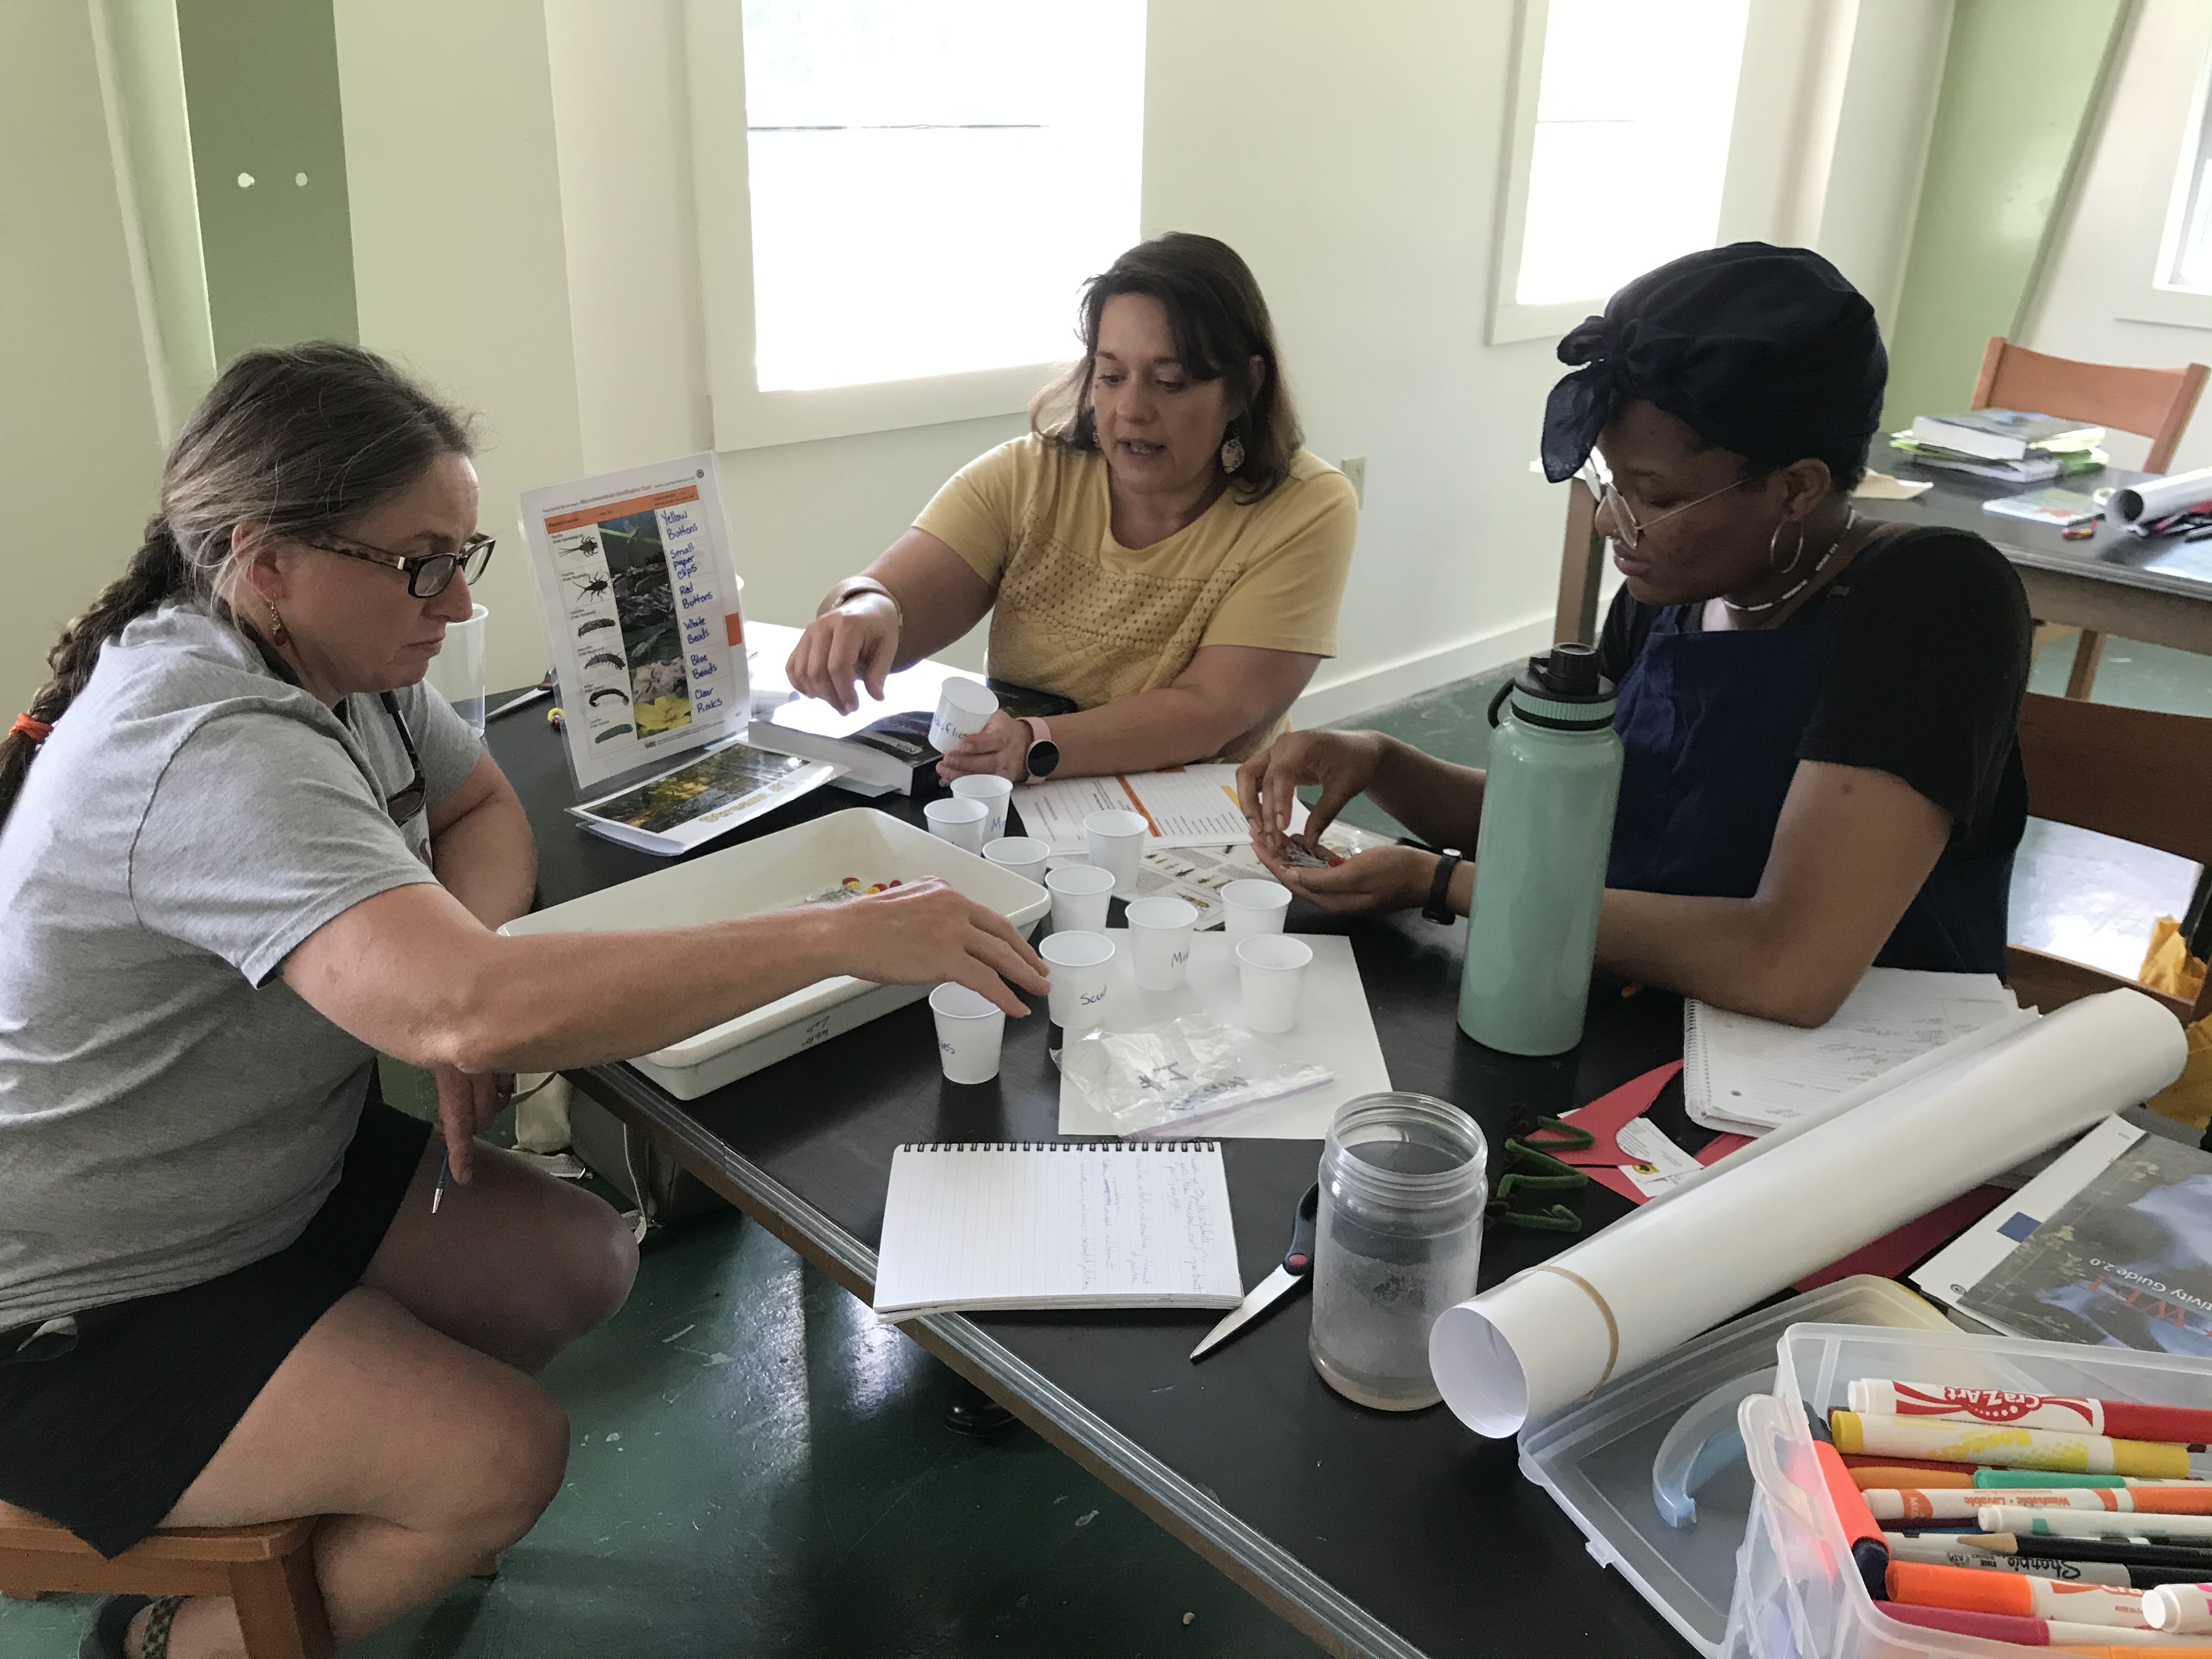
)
(639, 596)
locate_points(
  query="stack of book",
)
(2009, 445)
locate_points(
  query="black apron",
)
(1711, 724)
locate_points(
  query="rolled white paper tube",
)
(1557, 1332)
(2159, 498)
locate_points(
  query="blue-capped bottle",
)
(1541, 854)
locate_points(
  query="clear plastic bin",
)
(1797, 1594)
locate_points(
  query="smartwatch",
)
(1043, 757)
(1438, 908)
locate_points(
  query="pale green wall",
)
(76, 419)
(2021, 89)
(261, 80)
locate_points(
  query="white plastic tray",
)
(775, 873)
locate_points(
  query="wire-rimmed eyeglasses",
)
(1626, 530)
(428, 575)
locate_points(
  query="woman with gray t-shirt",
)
(242, 849)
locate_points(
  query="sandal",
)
(110, 1626)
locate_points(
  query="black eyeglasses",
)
(410, 800)
(428, 575)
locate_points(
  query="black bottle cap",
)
(1566, 673)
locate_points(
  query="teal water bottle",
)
(1540, 856)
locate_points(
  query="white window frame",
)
(744, 417)
(2163, 301)
(1510, 320)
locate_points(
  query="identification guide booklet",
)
(639, 594)
(2056, 508)
(689, 806)
(2125, 1262)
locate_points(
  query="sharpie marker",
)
(1944, 1550)
(1925, 1472)
(2120, 1419)
(2006, 1448)
(2192, 1529)
(2129, 1553)
(2180, 1609)
(1952, 1504)
(2100, 1640)
(1921, 1584)
(2000, 1478)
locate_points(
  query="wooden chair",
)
(267, 1571)
(2142, 776)
(2151, 402)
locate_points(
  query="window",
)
(930, 180)
(2184, 258)
(1624, 111)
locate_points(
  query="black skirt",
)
(105, 1438)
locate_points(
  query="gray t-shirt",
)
(170, 1110)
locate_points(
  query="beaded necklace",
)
(1804, 581)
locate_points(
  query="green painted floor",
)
(760, 1468)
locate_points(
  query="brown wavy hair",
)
(1220, 323)
(304, 440)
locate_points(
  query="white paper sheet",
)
(1188, 806)
(1334, 1030)
(1780, 1208)
(2159, 498)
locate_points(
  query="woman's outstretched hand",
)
(1381, 879)
(925, 933)
(857, 641)
(1342, 763)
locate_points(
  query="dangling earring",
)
(1772, 552)
(1232, 453)
(282, 635)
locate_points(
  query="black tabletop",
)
(2163, 564)
(1429, 1530)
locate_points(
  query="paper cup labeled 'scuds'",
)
(995, 793)
(1271, 971)
(970, 1028)
(962, 706)
(1078, 962)
(1081, 893)
(959, 821)
(1160, 931)
(1254, 907)
(1116, 841)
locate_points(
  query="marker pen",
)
(1922, 1585)
(2180, 1609)
(2006, 1448)
(2192, 1529)
(1952, 1504)
(2124, 1419)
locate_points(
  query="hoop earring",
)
(283, 635)
(1232, 453)
(1784, 569)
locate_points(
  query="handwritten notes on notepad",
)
(1057, 1226)
(1743, 1073)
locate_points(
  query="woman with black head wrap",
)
(1818, 709)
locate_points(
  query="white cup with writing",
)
(971, 1030)
(962, 706)
(995, 792)
(1160, 931)
(1079, 963)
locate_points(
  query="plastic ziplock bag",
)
(1175, 1077)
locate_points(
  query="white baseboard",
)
(1342, 695)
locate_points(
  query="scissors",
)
(1297, 1270)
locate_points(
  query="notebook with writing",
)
(983, 1225)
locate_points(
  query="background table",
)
(1374, 1534)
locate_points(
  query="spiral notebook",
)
(978, 1225)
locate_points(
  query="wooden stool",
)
(267, 1571)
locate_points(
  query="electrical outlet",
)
(1356, 470)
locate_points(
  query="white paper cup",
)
(1272, 968)
(962, 707)
(1080, 893)
(994, 793)
(1254, 907)
(1117, 843)
(1160, 940)
(457, 672)
(1078, 962)
(970, 1028)
(959, 821)
(1022, 854)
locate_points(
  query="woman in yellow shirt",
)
(1158, 549)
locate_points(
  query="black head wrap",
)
(1765, 351)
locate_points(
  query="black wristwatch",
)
(1438, 908)
(1043, 759)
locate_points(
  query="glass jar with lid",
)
(1398, 1240)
